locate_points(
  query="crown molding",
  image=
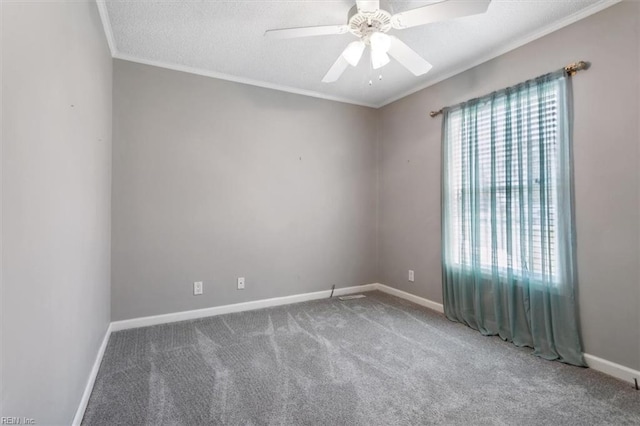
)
(571, 19)
(108, 32)
(242, 80)
(106, 25)
(104, 17)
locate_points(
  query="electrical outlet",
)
(241, 283)
(412, 276)
(198, 288)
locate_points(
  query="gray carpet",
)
(374, 361)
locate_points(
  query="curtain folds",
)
(508, 227)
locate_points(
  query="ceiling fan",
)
(367, 21)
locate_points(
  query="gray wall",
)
(606, 143)
(214, 180)
(56, 174)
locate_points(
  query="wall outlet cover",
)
(241, 283)
(198, 288)
(412, 276)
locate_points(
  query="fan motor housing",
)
(364, 24)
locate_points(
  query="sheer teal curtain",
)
(508, 229)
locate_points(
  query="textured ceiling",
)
(225, 39)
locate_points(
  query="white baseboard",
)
(92, 379)
(411, 297)
(226, 309)
(612, 369)
(599, 364)
(237, 307)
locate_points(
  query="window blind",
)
(502, 192)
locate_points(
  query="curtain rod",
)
(571, 70)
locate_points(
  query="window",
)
(501, 192)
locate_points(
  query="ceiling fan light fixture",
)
(353, 52)
(380, 42)
(370, 20)
(379, 59)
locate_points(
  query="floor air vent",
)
(351, 297)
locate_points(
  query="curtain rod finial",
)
(572, 69)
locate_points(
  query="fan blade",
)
(438, 12)
(336, 70)
(408, 58)
(368, 6)
(307, 31)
